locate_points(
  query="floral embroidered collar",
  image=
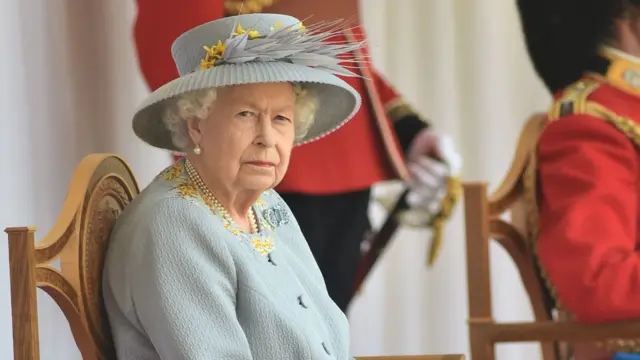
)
(268, 218)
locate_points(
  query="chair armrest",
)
(545, 331)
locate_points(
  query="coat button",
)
(302, 301)
(326, 348)
(271, 259)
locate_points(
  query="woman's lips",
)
(261, 163)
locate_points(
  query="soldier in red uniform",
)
(588, 54)
(328, 184)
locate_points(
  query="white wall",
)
(463, 64)
(69, 83)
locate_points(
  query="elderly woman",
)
(208, 262)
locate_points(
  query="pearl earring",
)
(197, 150)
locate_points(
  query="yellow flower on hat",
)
(241, 31)
(214, 54)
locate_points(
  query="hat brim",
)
(338, 102)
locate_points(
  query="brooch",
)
(276, 216)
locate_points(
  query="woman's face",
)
(247, 139)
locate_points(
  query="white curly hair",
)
(199, 103)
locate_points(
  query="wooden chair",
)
(101, 187)
(484, 217)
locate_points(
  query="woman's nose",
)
(266, 133)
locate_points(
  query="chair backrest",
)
(101, 187)
(484, 217)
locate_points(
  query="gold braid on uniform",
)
(236, 7)
(396, 110)
(574, 100)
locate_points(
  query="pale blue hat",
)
(258, 48)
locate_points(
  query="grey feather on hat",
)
(259, 48)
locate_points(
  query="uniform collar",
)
(610, 52)
(623, 71)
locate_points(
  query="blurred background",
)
(69, 83)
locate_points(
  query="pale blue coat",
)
(178, 285)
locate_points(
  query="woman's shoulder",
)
(166, 218)
(169, 203)
(169, 189)
(173, 183)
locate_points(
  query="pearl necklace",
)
(204, 190)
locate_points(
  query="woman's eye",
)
(282, 118)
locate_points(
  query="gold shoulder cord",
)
(575, 101)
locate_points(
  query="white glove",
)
(435, 166)
(429, 177)
(427, 183)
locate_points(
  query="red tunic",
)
(589, 177)
(354, 157)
